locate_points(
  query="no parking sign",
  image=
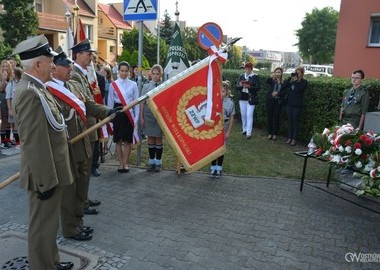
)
(209, 34)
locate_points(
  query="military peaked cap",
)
(34, 47)
(83, 46)
(62, 59)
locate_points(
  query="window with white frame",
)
(89, 31)
(374, 32)
(38, 5)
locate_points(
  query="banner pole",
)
(162, 86)
(80, 136)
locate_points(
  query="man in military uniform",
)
(76, 107)
(42, 134)
(82, 56)
(355, 102)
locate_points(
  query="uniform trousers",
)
(43, 229)
(73, 199)
(87, 182)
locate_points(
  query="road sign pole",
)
(139, 82)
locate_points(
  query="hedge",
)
(321, 102)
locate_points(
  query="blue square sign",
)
(140, 10)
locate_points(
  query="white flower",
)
(336, 158)
(358, 164)
(358, 151)
(348, 149)
(341, 148)
(326, 131)
(368, 167)
(327, 153)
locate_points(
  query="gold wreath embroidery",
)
(183, 120)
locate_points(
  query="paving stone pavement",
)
(165, 221)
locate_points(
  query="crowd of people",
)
(280, 92)
(53, 99)
(290, 93)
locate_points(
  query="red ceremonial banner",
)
(180, 109)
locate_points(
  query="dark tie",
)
(351, 97)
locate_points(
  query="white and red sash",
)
(69, 98)
(128, 113)
(106, 130)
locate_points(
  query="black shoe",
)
(94, 202)
(82, 236)
(152, 168)
(90, 211)
(95, 173)
(158, 168)
(64, 266)
(86, 229)
(249, 137)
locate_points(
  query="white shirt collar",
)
(84, 71)
(58, 81)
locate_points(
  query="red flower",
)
(348, 142)
(318, 152)
(368, 141)
(363, 137)
(357, 146)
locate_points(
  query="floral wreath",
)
(346, 146)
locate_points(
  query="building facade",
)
(358, 38)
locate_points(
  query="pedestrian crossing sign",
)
(140, 10)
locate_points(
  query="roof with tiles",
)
(84, 9)
(114, 16)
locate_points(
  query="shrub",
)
(321, 103)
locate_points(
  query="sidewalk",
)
(165, 221)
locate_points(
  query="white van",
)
(320, 70)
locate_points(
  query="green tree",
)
(130, 43)
(166, 28)
(265, 64)
(18, 21)
(194, 52)
(235, 57)
(316, 38)
(5, 51)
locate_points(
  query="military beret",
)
(62, 59)
(83, 46)
(34, 47)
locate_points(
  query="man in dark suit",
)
(42, 132)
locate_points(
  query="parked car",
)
(308, 73)
(320, 70)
